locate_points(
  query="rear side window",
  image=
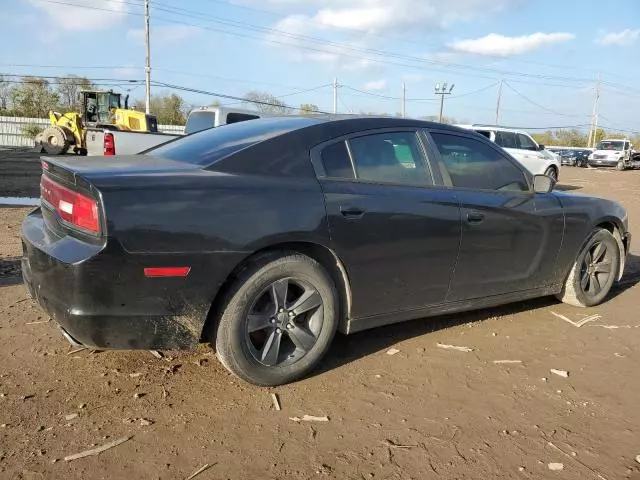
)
(209, 146)
(394, 157)
(471, 163)
(336, 161)
(506, 139)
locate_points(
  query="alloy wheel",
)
(284, 322)
(597, 268)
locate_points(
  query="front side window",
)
(506, 139)
(471, 163)
(393, 157)
(526, 143)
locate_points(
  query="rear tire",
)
(593, 272)
(54, 141)
(279, 319)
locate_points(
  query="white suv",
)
(523, 148)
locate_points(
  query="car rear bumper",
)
(96, 298)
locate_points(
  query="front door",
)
(510, 236)
(396, 232)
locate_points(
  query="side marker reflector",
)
(167, 271)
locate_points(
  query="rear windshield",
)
(199, 121)
(209, 146)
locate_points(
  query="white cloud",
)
(333, 55)
(623, 38)
(165, 34)
(384, 16)
(85, 14)
(502, 46)
(375, 18)
(375, 85)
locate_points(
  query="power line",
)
(247, 26)
(537, 104)
(372, 94)
(393, 37)
(229, 97)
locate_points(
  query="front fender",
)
(583, 214)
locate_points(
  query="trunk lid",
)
(98, 167)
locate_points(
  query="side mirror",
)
(543, 184)
(540, 147)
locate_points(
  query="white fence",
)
(12, 135)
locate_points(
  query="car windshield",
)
(611, 145)
(209, 146)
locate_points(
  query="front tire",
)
(553, 173)
(593, 272)
(280, 317)
(620, 166)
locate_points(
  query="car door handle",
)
(352, 212)
(475, 217)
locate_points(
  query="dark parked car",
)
(574, 158)
(265, 237)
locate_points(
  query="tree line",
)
(35, 97)
(576, 138)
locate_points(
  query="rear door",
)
(510, 236)
(396, 232)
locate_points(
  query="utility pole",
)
(404, 100)
(335, 96)
(499, 99)
(442, 90)
(593, 132)
(147, 67)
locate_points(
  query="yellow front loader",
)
(101, 109)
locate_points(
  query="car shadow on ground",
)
(348, 348)
(10, 271)
(566, 188)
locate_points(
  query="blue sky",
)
(547, 52)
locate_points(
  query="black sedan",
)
(575, 158)
(266, 237)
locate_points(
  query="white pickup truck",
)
(102, 141)
(614, 152)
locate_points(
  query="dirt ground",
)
(425, 412)
(19, 173)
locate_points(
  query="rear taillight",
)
(109, 144)
(72, 207)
